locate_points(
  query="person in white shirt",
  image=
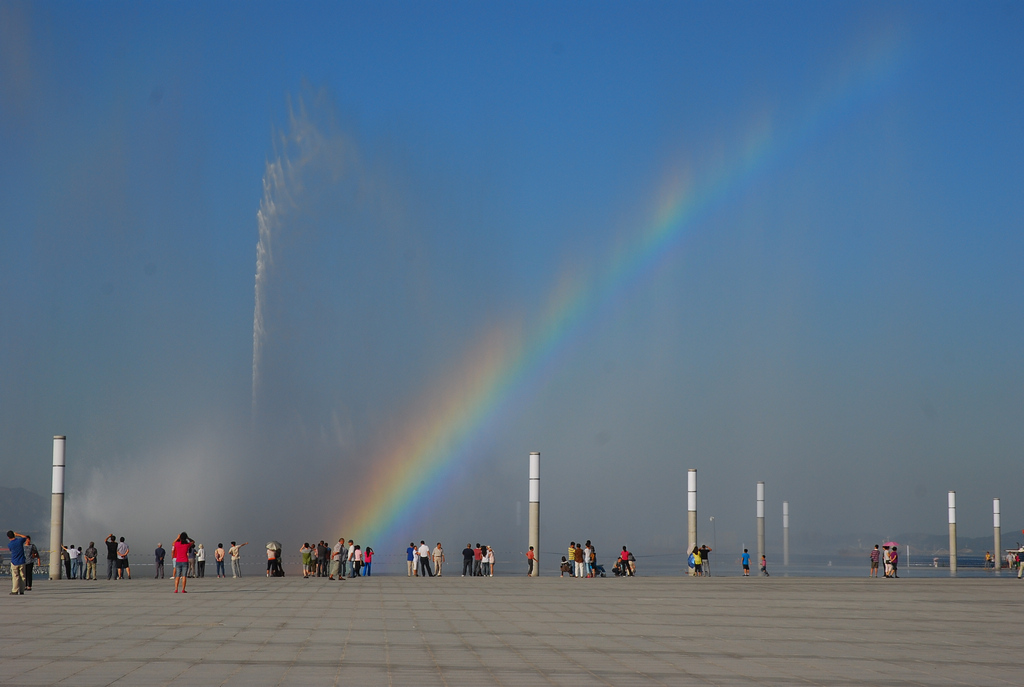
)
(201, 561)
(352, 557)
(73, 555)
(122, 561)
(424, 555)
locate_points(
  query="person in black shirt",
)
(467, 560)
(160, 555)
(323, 554)
(111, 543)
(705, 554)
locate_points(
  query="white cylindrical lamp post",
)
(534, 537)
(785, 533)
(691, 510)
(760, 521)
(952, 533)
(997, 535)
(57, 508)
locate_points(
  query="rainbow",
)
(432, 447)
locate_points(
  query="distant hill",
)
(23, 511)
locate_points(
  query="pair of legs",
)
(180, 575)
(18, 579)
(236, 568)
(159, 570)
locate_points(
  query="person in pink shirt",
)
(181, 546)
(624, 563)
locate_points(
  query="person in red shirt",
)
(529, 559)
(181, 546)
(624, 563)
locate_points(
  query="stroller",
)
(598, 570)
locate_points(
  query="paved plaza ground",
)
(516, 631)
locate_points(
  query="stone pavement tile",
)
(364, 655)
(447, 643)
(155, 672)
(259, 674)
(106, 672)
(456, 658)
(217, 633)
(610, 678)
(19, 666)
(330, 636)
(363, 675)
(319, 654)
(203, 674)
(312, 675)
(48, 673)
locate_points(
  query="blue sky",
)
(844, 322)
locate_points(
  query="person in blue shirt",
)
(746, 563)
(17, 548)
(409, 556)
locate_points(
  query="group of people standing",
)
(418, 560)
(700, 561)
(889, 556)
(196, 556)
(581, 561)
(117, 558)
(78, 564)
(477, 561)
(322, 560)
